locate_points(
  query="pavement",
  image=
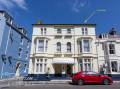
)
(13, 83)
(64, 86)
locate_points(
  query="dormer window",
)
(69, 31)
(84, 31)
(45, 30)
(41, 31)
(59, 31)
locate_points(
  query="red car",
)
(88, 77)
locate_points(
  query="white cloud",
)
(78, 4)
(10, 4)
(21, 4)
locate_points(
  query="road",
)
(64, 86)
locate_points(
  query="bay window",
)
(84, 46)
(42, 45)
(85, 64)
(41, 65)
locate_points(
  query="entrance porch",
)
(63, 67)
(63, 70)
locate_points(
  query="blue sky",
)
(27, 12)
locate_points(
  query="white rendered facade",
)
(63, 49)
(108, 48)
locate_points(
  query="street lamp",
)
(93, 13)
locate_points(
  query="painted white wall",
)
(51, 34)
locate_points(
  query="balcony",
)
(68, 54)
(87, 55)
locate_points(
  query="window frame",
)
(59, 31)
(82, 64)
(42, 69)
(112, 51)
(112, 69)
(84, 30)
(41, 47)
(68, 31)
(58, 47)
(69, 47)
(86, 47)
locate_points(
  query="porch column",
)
(83, 64)
(44, 45)
(63, 70)
(36, 46)
(91, 64)
(35, 66)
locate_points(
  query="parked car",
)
(89, 77)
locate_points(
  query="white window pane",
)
(68, 47)
(58, 47)
(41, 46)
(45, 30)
(42, 31)
(46, 47)
(37, 67)
(37, 60)
(80, 46)
(86, 45)
(45, 68)
(85, 67)
(86, 31)
(59, 31)
(82, 31)
(41, 60)
(114, 66)
(40, 67)
(89, 67)
(111, 48)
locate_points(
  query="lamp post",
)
(93, 13)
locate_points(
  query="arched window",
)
(58, 47)
(68, 47)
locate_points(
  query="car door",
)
(95, 77)
(87, 77)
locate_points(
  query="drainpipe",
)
(74, 50)
(97, 55)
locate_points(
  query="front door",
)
(58, 70)
(69, 70)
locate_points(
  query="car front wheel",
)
(106, 82)
(80, 82)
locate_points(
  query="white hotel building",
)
(63, 49)
(108, 50)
